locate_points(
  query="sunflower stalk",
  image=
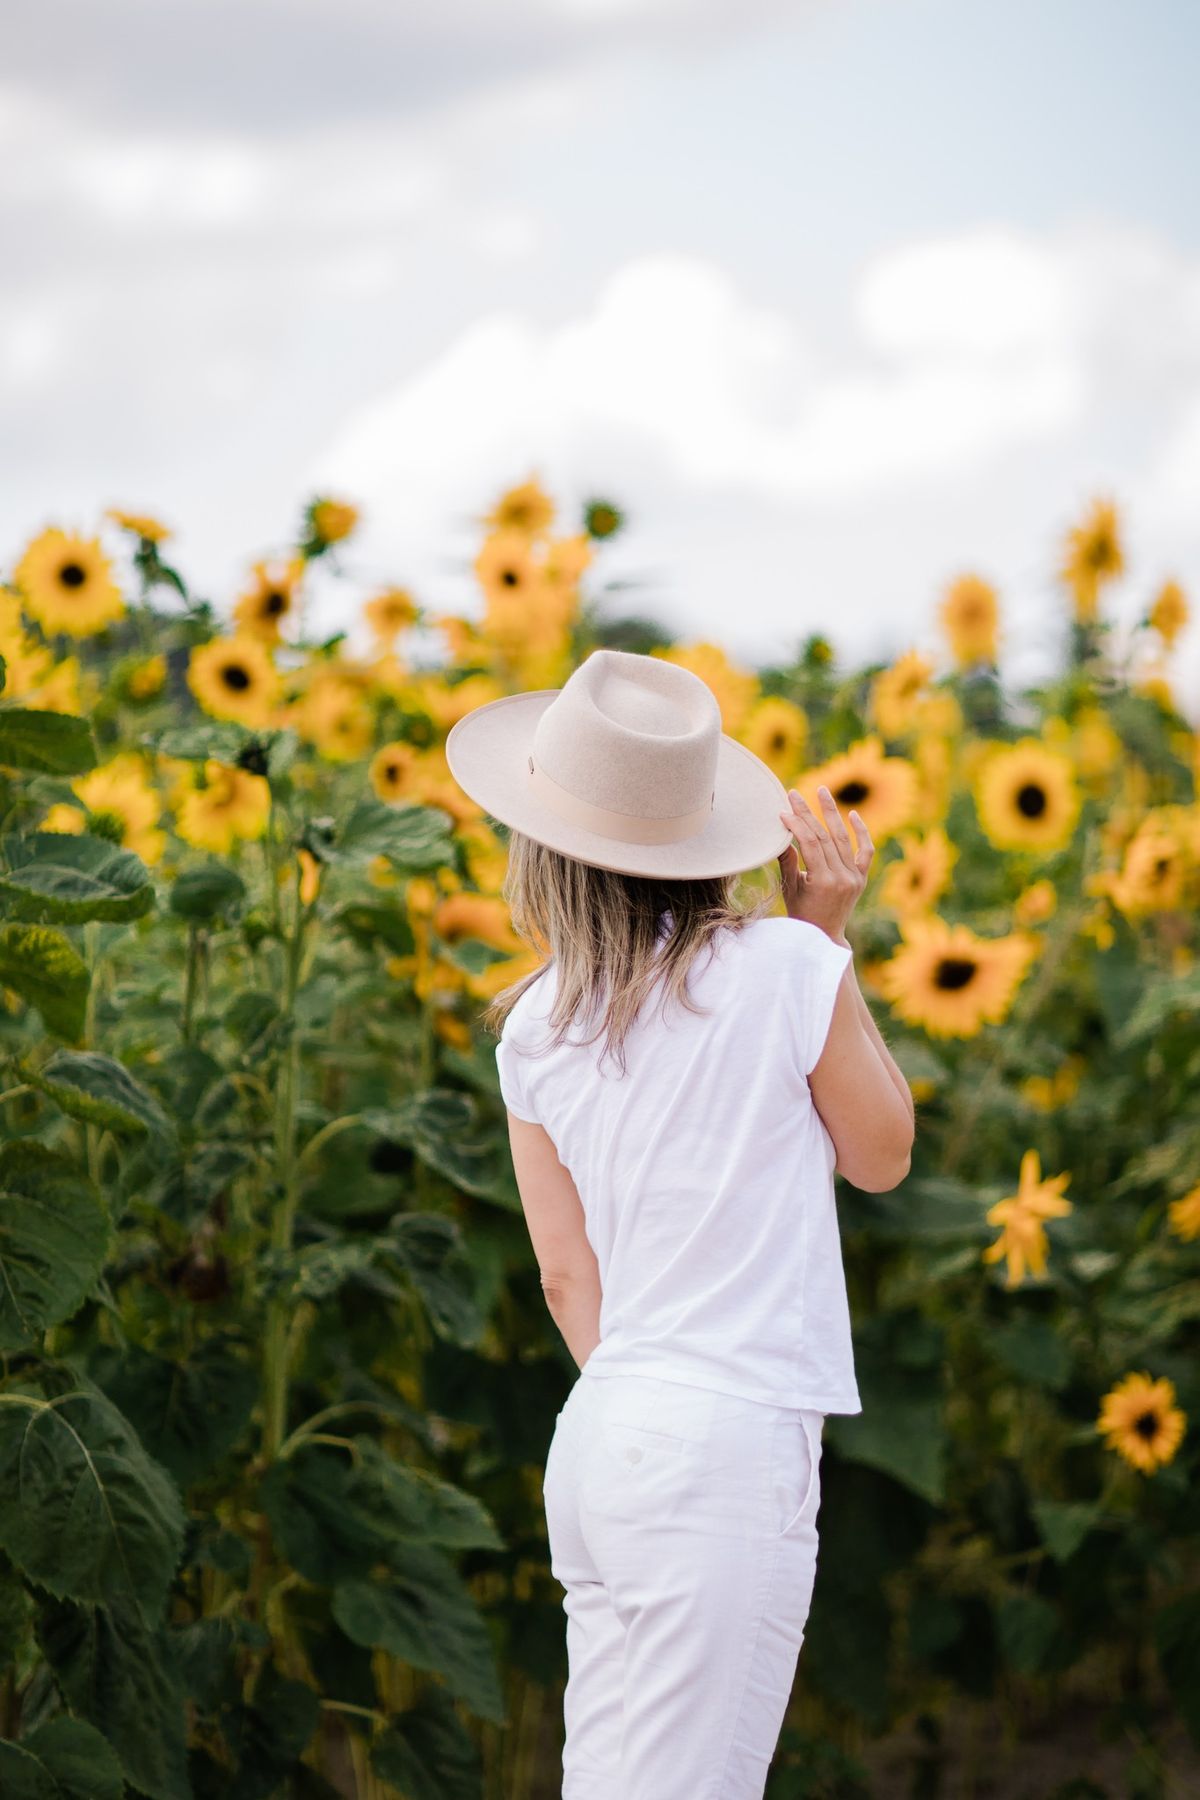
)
(286, 1189)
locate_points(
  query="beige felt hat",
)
(625, 767)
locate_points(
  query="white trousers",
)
(682, 1525)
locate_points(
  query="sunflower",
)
(1022, 1216)
(884, 789)
(448, 702)
(332, 520)
(123, 805)
(1140, 1419)
(969, 615)
(1036, 903)
(310, 877)
(1093, 555)
(506, 566)
(1184, 1215)
(1169, 612)
(229, 805)
(1153, 875)
(527, 510)
(272, 597)
(567, 558)
(1026, 797)
(734, 689)
(235, 678)
(391, 769)
(776, 730)
(140, 524)
(949, 981)
(67, 584)
(896, 693)
(390, 613)
(482, 916)
(602, 519)
(64, 818)
(1049, 1092)
(918, 876)
(147, 678)
(333, 713)
(464, 640)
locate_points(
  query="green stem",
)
(189, 988)
(322, 1137)
(287, 1191)
(91, 940)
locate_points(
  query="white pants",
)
(682, 1524)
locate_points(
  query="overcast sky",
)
(839, 298)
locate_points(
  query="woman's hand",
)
(826, 890)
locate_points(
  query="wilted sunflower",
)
(914, 880)
(969, 616)
(140, 524)
(1184, 1215)
(67, 584)
(1021, 1217)
(1093, 556)
(124, 805)
(271, 598)
(391, 770)
(735, 690)
(390, 613)
(896, 694)
(884, 789)
(949, 981)
(234, 678)
(776, 730)
(527, 510)
(1139, 1418)
(1026, 797)
(1169, 612)
(230, 805)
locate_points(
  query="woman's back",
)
(705, 1172)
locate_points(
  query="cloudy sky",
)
(839, 298)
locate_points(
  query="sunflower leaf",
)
(53, 1238)
(58, 877)
(47, 971)
(53, 743)
(99, 1090)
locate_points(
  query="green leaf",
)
(258, 752)
(84, 1512)
(59, 878)
(414, 838)
(442, 1126)
(426, 1753)
(935, 1208)
(423, 1614)
(269, 1736)
(47, 971)
(900, 1430)
(64, 1759)
(122, 1677)
(1032, 1349)
(51, 743)
(54, 1236)
(1064, 1524)
(429, 1248)
(188, 1415)
(91, 1086)
(207, 891)
(1026, 1626)
(15, 1615)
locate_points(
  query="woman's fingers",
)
(814, 842)
(835, 824)
(866, 844)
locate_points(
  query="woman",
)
(682, 1078)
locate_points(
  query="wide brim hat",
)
(625, 767)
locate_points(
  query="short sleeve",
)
(512, 1067)
(816, 974)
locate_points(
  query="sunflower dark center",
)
(510, 578)
(954, 972)
(275, 602)
(71, 575)
(1031, 800)
(778, 740)
(235, 677)
(1160, 868)
(1146, 1424)
(852, 793)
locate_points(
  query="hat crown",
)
(633, 734)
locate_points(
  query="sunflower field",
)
(276, 1374)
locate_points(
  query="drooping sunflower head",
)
(235, 678)
(329, 521)
(140, 524)
(1140, 1420)
(1169, 612)
(1093, 555)
(66, 583)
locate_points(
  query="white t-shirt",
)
(705, 1171)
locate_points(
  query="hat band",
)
(631, 828)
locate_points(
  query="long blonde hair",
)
(601, 930)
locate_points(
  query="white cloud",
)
(991, 291)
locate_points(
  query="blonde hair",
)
(601, 930)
